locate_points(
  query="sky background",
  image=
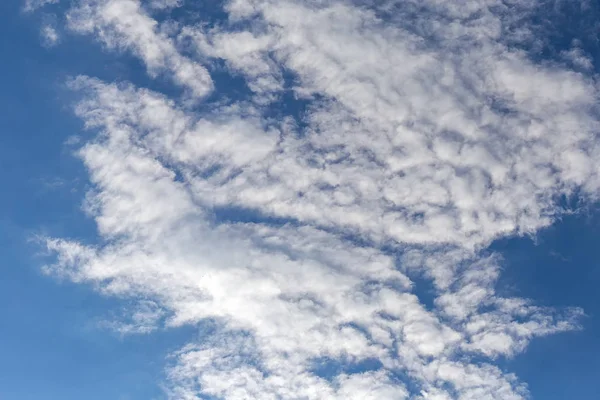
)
(52, 344)
(52, 341)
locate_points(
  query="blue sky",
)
(51, 345)
(234, 218)
(566, 365)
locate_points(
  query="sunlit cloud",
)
(423, 133)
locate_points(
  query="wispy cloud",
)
(32, 5)
(426, 136)
(124, 24)
(50, 36)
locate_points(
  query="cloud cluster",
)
(126, 25)
(420, 134)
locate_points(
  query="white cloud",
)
(578, 58)
(124, 24)
(50, 36)
(32, 5)
(411, 148)
(142, 318)
(451, 156)
(164, 4)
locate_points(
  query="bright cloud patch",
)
(293, 236)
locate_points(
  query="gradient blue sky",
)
(52, 345)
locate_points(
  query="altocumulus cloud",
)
(294, 239)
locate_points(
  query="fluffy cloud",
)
(126, 25)
(291, 238)
(454, 145)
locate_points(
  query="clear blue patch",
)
(560, 268)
